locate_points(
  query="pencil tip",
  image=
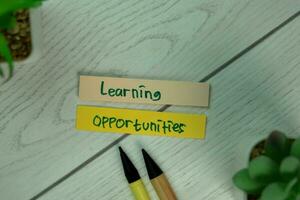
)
(152, 168)
(130, 171)
(120, 149)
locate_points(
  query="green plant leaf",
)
(296, 188)
(295, 149)
(291, 188)
(263, 169)
(243, 181)
(277, 146)
(1, 72)
(7, 21)
(289, 168)
(13, 5)
(274, 191)
(5, 53)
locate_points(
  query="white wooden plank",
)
(182, 40)
(256, 94)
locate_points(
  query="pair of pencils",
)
(156, 176)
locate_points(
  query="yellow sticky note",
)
(140, 122)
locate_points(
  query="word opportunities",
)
(93, 88)
(140, 122)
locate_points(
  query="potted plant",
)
(19, 32)
(273, 172)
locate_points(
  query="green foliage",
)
(295, 149)
(263, 169)
(289, 167)
(8, 21)
(276, 174)
(274, 191)
(277, 146)
(13, 5)
(246, 183)
(5, 52)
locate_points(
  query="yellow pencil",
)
(135, 182)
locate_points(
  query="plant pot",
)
(242, 155)
(36, 40)
(36, 36)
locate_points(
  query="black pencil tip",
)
(152, 168)
(130, 171)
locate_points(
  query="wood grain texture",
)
(169, 39)
(258, 93)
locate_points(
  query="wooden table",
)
(249, 51)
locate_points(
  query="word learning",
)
(139, 92)
(97, 88)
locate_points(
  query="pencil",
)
(158, 179)
(134, 180)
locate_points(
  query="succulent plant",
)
(274, 175)
(8, 21)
